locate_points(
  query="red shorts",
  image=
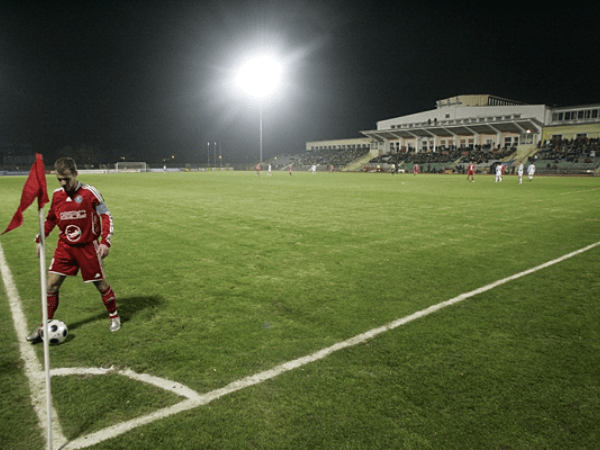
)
(68, 259)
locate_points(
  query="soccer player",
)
(290, 170)
(82, 217)
(471, 171)
(258, 169)
(531, 171)
(313, 169)
(416, 170)
(499, 172)
(520, 173)
(269, 170)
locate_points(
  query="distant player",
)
(290, 170)
(269, 170)
(471, 172)
(531, 171)
(313, 169)
(393, 168)
(520, 173)
(82, 217)
(499, 172)
(258, 169)
(415, 170)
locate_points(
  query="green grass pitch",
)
(222, 275)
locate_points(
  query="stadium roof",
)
(516, 126)
(464, 115)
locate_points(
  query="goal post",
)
(130, 166)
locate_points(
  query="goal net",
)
(130, 166)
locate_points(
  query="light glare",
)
(259, 76)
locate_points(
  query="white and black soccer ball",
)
(57, 331)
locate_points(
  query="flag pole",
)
(45, 322)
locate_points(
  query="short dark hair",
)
(65, 163)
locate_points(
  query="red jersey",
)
(471, 168)
(81, 218)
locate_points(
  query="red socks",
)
(52, 299)
(108, 297)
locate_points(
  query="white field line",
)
(576, 192)
(33, 368)
(194, 399)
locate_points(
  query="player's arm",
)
(107, 228)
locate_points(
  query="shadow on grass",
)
(128, 308)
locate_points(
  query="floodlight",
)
(259, 76)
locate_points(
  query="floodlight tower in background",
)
(259, 77)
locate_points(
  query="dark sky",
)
(153, 78)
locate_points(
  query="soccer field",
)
(221, 276)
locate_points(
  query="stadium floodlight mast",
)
(259, 77)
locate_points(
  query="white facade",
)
(462, 122)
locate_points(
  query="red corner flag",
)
(34, 187)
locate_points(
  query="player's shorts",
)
(68, 259)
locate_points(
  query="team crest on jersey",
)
(78, 199)
(73, 233)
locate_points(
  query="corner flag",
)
(35, 186)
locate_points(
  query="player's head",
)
(66, 173)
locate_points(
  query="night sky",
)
(154, 79)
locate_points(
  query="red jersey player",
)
(416, 170)
(471, 172)
(82, 217)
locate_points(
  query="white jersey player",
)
(531, 171)
(499, 172)
(520, 173)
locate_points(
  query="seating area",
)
(443, 159)
(330, 157)
(580, 156)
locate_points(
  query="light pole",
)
(215, 154)
(208, 155)
(259, 77)
(260, 133)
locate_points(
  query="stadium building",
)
(471, 120)
(486, 123)
(484, 120)
(463, 121)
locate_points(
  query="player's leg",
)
(52, 294)
(92, 270)
(110, 302)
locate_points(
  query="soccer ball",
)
(57, 331)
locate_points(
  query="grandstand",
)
(485, 129)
